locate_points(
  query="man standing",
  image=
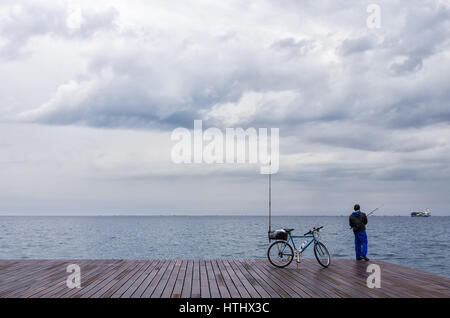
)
(358, 221)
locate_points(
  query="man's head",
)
(357, 207)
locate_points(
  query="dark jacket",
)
(358, 221)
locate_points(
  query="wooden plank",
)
(27, 274)
(196, 288)
(319, 275)
(172, 279)
(119, 282)
(159, 289)
(155, 281)
(179, 283)
(275, 284)
(236, 281)
(301, 282)
(8, 272)
(311, 282)
(148, 281)
(13, 284)
(9, 267)
(232, 289)
(224, 293)
(214, 278)
(188, 278)
(127, 281)
(417, 274)
(285, 282)
(213, 286)
(106, 284)
(248, 286)
(261, 279)
(204, 282)
(254, 282)
(140, 280)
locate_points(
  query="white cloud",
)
(22, 21)
(275, 105)
(351, 103)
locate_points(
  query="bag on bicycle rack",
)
(278, 235)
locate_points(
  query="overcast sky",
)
(92, 90)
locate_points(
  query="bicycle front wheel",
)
(280, 254)
(321, 254)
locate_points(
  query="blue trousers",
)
(360, 244)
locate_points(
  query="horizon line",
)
(195, 215)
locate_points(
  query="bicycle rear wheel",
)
(280, 254)
(321, 254)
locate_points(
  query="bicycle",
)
(281, 253)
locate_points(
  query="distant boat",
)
(425, 213)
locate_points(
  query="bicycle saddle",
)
(288, 230)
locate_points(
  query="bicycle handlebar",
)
(313, 230)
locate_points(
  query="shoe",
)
(365, 258)
(360, 258)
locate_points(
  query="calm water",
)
(421, 243)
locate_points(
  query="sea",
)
(420, 243)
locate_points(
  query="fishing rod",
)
(373, 211)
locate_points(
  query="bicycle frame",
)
(292, 237)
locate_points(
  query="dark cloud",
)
(409, 65)
(296, 47)
(363, 103)
(358, 45)
(171, 81)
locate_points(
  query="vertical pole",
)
(270, 198)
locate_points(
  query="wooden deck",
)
(235, 278)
